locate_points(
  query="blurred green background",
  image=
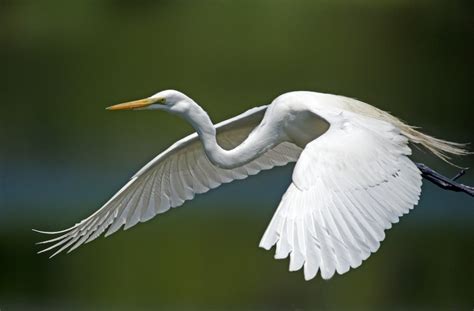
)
(62, 154)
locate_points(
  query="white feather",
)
(352, 180)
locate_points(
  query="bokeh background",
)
(62, 155)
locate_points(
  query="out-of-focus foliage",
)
(62, 154)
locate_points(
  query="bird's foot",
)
(445, 182)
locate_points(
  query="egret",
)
(352, 179)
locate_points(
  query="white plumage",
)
(352, 179)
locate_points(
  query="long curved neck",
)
(251, 148)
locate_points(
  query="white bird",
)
(351, 181)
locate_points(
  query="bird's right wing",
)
(349, 185)
(171, 178)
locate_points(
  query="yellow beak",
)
(134, 104)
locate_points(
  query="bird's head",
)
(168, 100)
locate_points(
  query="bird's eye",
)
(162, 101)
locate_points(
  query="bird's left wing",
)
(171, 178)
(349, 186)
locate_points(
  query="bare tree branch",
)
(445, 182)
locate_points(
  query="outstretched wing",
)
(349, 186)
(171, 178)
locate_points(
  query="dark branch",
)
(445, 182)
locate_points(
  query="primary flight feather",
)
(351, 181)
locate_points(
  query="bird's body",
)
(352, 179)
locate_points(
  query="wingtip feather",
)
(52, 232)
